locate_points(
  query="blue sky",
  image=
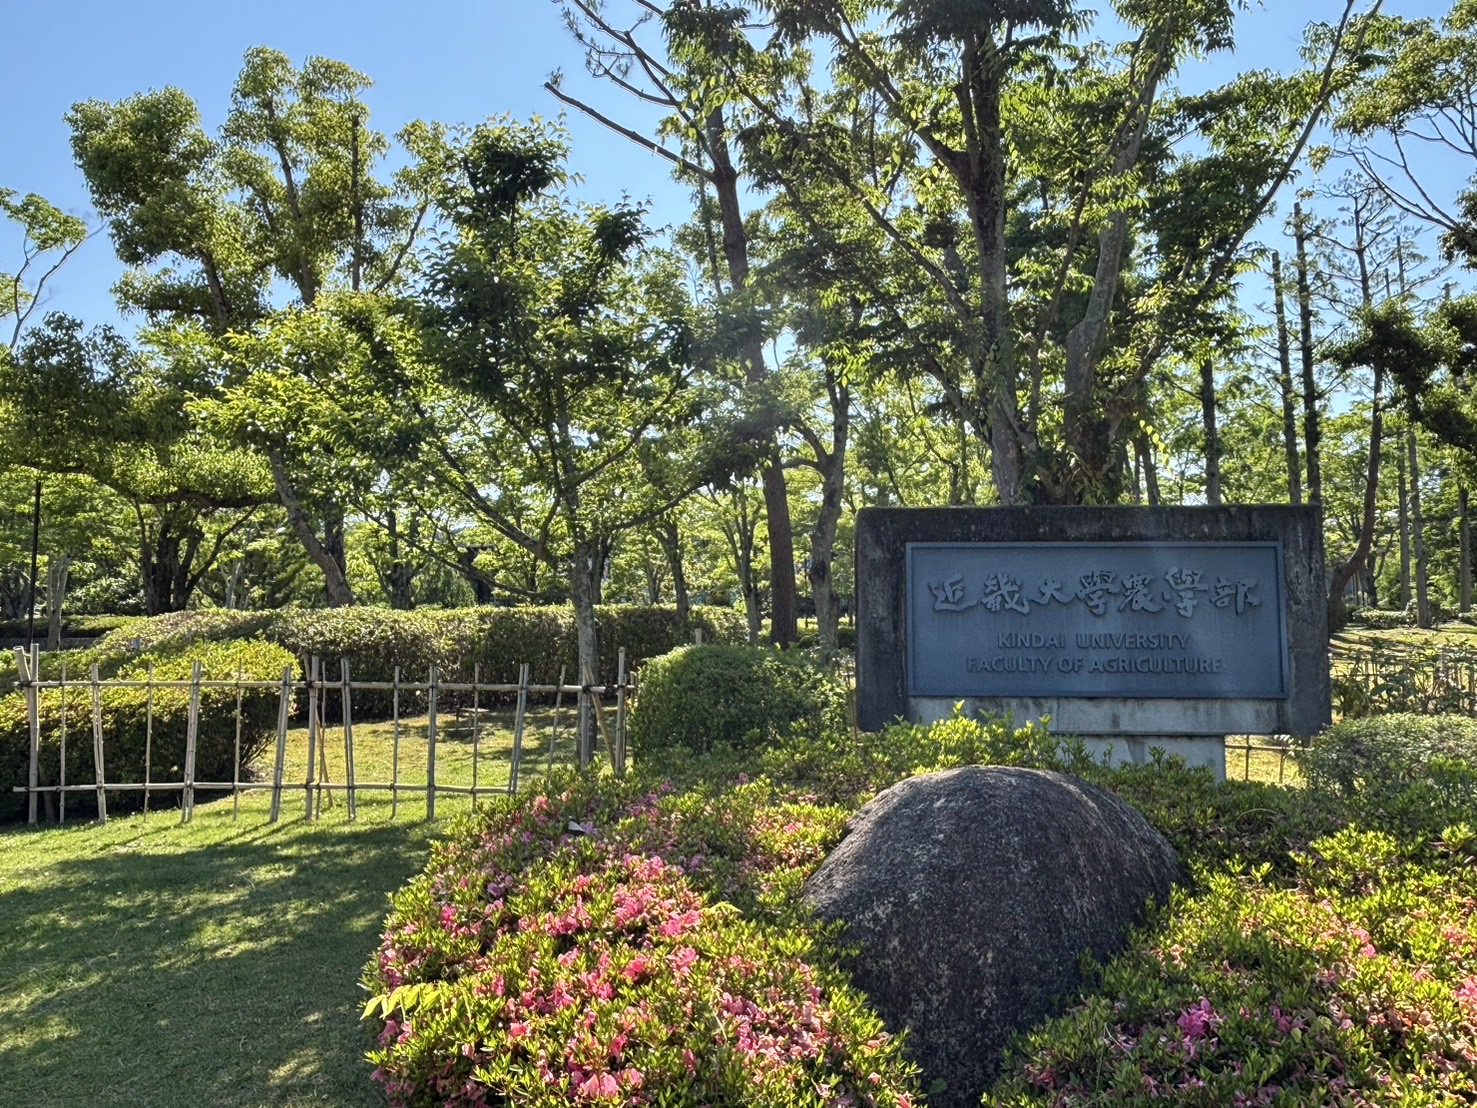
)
(449, 60)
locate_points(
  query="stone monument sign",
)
(1135, 624)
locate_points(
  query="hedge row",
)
(377, 640)
(124, 720)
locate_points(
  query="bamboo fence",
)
(590, 700)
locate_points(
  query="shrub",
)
(376, 640)
(698, 698)
(1355, 985)
(124, 721)
(1383, 619)
(575, 947)
(1404, 771)
(840, 768)
(1243, 824)
(162, 636)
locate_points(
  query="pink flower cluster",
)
(587, 970)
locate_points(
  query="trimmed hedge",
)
(376, 640)
(124, 724)
(698, 698)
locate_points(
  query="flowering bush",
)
(1355, 985)
(579, 948)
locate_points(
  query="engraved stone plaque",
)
(1107, 619)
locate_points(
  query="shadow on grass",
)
(145, 966)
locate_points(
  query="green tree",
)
(698, 136)
(560, 409)
(287, 194)
(92, 404)
(1015, 173)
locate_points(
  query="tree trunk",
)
(832, 466)
(1144, 450)
(670, 539)
(1403, 523)
(1465, 569)
(58, 568)
(401, 574)
(584, 575)
(1212, 436)
(1284, 385)
(335, 583)
(981, 176)
(1344, 573)
(784, 606)
(233, 584)
(1418, 535)
(1312, 432)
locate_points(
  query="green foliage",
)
(542, 965)
(1355, 982)
(845, 769)
(1415, 772)
(125, 725)
(701, 698)
(377, 640)
(1382, 619)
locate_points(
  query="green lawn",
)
(146, 963)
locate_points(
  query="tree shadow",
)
(224, 973)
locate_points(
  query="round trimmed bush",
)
(698, 698)
(1381, 754)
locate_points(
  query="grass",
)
(1260, 758)
(150, 963)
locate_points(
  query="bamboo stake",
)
(518, 721)
(431, 751)
(348, 740)
(395, 751)
(192, 739)
(61, 776)
(33, 714)
(324, 778)
(558, 702)
(312, 731)
(236, 762)
(585, 708)
(620, 713)
(148, 730)
(283, 706)
(476, 729)
(598, 710)
(97, 748)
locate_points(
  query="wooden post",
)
(584, 712)
(558, 702)
(348, 740)
(236, 760)
(431, 748)
(476, 729)
(518, 720)
(395, 750)
(33, 713)
(284, 704)
(192, 740)
(148, 730)
(61, 767)
(312, 732)
(97, 748)
(620, 713)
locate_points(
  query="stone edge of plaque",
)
(882, 538)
